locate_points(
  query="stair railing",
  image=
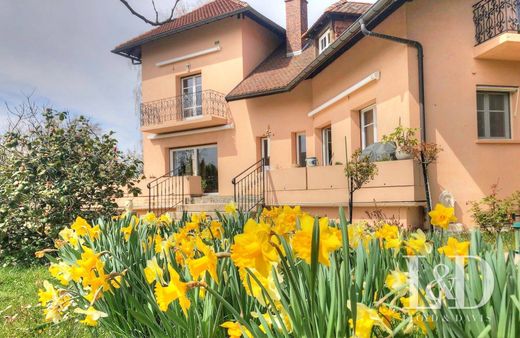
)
(166, 193)
(249, 187)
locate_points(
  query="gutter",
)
(420, 64)
(373, 15)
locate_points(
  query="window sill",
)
(497, 141)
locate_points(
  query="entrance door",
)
(197, 161)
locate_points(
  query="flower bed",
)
(281, 274)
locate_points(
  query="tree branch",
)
(157, 22)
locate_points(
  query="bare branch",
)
(157, 22)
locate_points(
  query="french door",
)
(197, 161)
(191, 96)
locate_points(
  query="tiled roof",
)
(212, 11)
(348, 7)
(275, 73)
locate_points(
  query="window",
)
(493, 115)
(325, 40)
(326, 137)
(266, 150)
(197, 161)
(368, 127)
(192, 96)
(301, 149)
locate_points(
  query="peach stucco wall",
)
(467, 168)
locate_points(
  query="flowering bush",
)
(283, 273)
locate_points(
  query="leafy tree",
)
(52, 169)
(359, 171)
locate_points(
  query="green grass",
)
(20, 314)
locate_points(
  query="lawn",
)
(20, 314)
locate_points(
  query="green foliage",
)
(360, 170)
(492, 213)
(404, 138)
(51, 172)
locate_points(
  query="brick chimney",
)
(297, 24)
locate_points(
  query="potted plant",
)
(405, 141)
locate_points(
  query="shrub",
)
(284, 274)
(52, 170)
(493, 214)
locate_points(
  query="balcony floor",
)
(504, 47)
(187, 124)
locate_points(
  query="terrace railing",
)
(184, 107)
(494, 17)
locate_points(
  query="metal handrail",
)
(249, 187)
(165, 193)
(175, 108)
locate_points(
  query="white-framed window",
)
(265, 148)
(493, 115)
(197, 161)
(191, 96)
(301, 149)
(325, 40)
(368, 126)
(326, 137)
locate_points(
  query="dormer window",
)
(325, 40)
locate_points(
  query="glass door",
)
(197, 161)
(192, 96)
(266, 150)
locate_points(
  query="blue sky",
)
(60, 50)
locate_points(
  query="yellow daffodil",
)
(418, 244)
(396, 280)
(127, 231)
(419, 321)
(56, 306)
(215, 230)
(272, 318)
(442, 216)
(235, 330)
(389, 234)
(92, 315)
(47, 294)
(329, 240)
(252, 249)
(207, 263)
(81, 226)
(70, 236)
(414, 302)
(366, 319)
(149, 218)
(389, 314)
(357, 235)
(153, 272)
(175, 290)
(230, 208)
(454, 248)
(62, 272)
(165, 219)
(285, 220)
(255, 290)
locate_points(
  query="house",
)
(235, 106)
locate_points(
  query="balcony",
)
(203, 109)
(398, 184)
(497, 29)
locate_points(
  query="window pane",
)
(182, 162)
(496, 102)
(207, 168)
(480, 101)
(302, 150)
(481, 124)
(497, 124)
(369, 136)
(369, 117)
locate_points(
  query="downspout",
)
(420, 62)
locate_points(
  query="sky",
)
(59, 51)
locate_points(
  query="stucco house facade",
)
(235, 106)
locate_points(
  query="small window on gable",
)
(493, 116)
(325, 40)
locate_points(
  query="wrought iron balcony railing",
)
(184, 107)
(494, 17)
